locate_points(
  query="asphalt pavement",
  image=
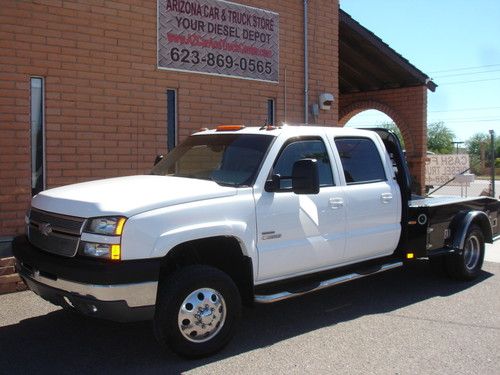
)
(404, 321)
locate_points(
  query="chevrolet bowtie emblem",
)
(45, 228)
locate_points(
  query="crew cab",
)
(240, 215)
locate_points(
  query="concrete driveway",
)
(406, 321)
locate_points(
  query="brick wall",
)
(407, 107)
(105, 98)
(9, 280)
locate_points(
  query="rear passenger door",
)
(373, 200)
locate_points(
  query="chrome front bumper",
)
(122, 302)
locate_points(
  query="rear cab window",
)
(360, 160)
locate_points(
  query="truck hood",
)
(127, 196)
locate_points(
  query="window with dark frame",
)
(270, 112)
(171, 119)
(360, 160)
(37, 131)
(303, 149)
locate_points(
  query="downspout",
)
(306, 66)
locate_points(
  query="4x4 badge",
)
(45, 228)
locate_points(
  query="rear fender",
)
(472, 217)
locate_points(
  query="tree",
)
(474, 144)
(439, 138)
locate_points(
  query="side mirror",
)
(305, 177)
(273, 184)
(158, 159)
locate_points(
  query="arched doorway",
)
(373, 118)
(372, 114)
(413, 136)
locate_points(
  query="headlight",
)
(110, 226)
(99, 250)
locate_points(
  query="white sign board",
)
(440, 169)
(218, 37)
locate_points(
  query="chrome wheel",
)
(202, 315)
(472, 252)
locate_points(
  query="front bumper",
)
(124, 291)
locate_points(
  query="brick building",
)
(82, 96)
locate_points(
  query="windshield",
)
(228, 159)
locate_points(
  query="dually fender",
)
(464, 224)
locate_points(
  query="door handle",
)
(386, 197)
(336, 203)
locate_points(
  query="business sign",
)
(218, 37)
(440, 169)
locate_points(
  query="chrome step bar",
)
(324, 284)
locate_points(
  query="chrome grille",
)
(56, 234)
(60, 223)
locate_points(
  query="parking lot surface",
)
(405, 321)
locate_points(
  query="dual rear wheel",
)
(465, 265)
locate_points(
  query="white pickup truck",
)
(239, 215)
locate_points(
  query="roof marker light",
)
(228, 128)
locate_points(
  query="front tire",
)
(196, 311)
(468, 263)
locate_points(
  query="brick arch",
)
(351, 110)
(408, 108)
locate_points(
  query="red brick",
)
(7, 262)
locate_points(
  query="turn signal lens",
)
(115, 252)
(119, 226)
(410, 256)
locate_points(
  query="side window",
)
(360, 160)
(303, 149)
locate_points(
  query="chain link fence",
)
(481, 177)
(469, 184)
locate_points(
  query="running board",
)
(323, 285)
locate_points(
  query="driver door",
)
(300, 233)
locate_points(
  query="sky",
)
(456, 43)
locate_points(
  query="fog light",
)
(410, 256)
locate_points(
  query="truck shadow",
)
(61, 342)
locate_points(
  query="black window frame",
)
(301, 139)
(271, 111)
(38, 145)
(171, 119)
(379, 158)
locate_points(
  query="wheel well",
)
(462, 222)
(483, 223)
(221, 252)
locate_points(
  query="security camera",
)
(326, 101)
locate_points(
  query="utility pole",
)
(492, 162)
(457, 143)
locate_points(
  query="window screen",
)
(305, 149)
(360, 160)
